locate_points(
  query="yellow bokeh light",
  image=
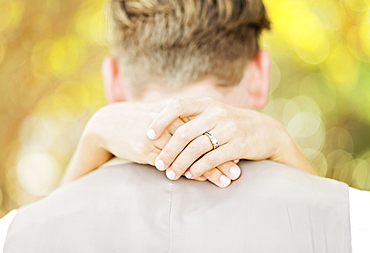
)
(39, 56)
(303, 125)
(339, 138)
(38, 173)
(338, 159)
(361, 174)
(356, 5)
(11, 14)
(364, 36)
(310, 42)
(315, 86)
(330, 14)
(2, 49)
(90, 23)
(297, 105)
(66, 55)
(342, 68)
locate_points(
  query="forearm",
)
(87, 157)
(289, 153)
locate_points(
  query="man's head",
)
(188, 48)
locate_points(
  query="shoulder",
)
(272, 174)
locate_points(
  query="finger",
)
(167, 134)
(230, 169)
(162, 141)
(178, 108)
(175, 125)
(212, 160)
(217, 177)
(184, 135)
(187, 157)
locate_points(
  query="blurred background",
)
(50, 84)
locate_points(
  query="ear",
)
(113, 86)
(260, 84)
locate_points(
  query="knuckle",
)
(183, 133)
(143, 147)
(178, 104)
(196, 171)
(233, 127)
(222, 112)
(177, 166)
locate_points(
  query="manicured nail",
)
(235, 172)
(170, 174)
(151, 134)
(159, 164)
(236, 160)
(225, 181)
(188, 174)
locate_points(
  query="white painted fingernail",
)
(188, 174)
(236, 161)
(151, 134)
(235, 171)
(225, 181)
(159, 164)
(170, 174)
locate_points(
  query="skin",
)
(175, 122)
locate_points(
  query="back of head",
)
(180, 42)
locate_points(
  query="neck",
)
(229, 95)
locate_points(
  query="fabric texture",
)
(359, 210)
(135, 208)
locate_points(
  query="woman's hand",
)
(120, 129)
(241, 134)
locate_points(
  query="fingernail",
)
(151, 134)
(188, 174)
(235, 172)
(225, 181)
(236, 160)
(159, 164)
(170, 174)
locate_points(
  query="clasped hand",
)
(175, 140)
(241, 134)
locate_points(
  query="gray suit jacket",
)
(135, 208)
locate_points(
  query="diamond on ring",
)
(213, 139)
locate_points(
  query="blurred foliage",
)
(50, 56)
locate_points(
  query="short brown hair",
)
(176, 42)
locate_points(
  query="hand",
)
(241, 134)
(119, 129)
